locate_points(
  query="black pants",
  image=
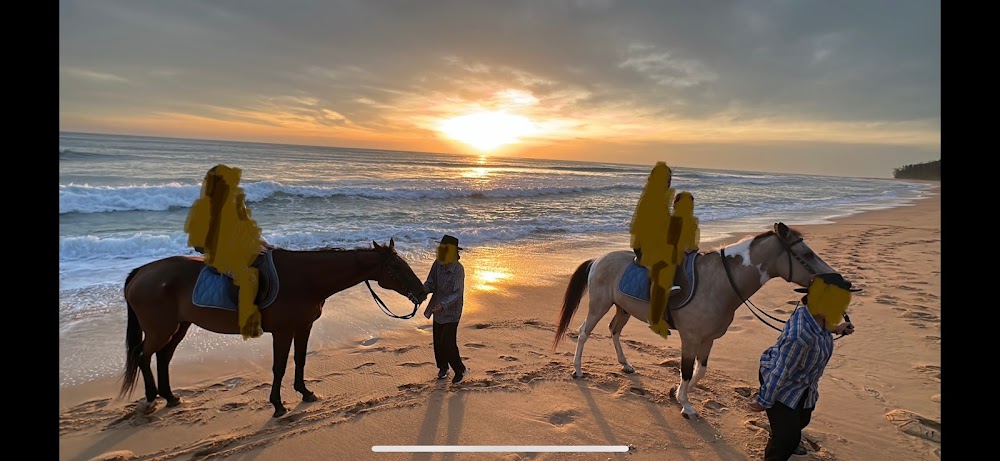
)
(446, 347)
(786, 428)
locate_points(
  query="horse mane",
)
(328, 249)
(794, 231)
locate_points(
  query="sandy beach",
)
(879, 397)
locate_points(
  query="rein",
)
(748, 303)
(381, 304)
(385, 309)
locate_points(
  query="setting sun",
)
(487, 130)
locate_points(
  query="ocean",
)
(123, 201)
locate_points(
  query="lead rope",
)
(381, 304)
(385, 309)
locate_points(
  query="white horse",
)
(725, 278)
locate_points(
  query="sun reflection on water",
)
(476, 173)
(488, 280)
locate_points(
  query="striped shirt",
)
(792, 367)
(447, 282)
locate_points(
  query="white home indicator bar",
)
(501, 448)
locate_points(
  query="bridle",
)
(788, 249)
(378, 301)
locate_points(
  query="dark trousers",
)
(786, 428)
(446, 347)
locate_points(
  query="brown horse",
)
(727, 277)
(160, 309)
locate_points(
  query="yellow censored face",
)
(447, 253)
(829, 300)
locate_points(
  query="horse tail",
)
(133, 345)
(571, 301)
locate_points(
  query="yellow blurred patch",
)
(663, 237)
(220, 226)
(829, 300)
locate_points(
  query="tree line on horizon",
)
(925, 171)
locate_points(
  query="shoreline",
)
(885, 374)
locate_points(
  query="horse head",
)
(803, 262)
(395, 274)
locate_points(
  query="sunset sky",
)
(840, 87)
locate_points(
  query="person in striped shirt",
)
(790, 369)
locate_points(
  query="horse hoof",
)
(173, 402)
(685, 415)
(279, 412)
(577, 376)
(673, 393)
(145, 408)
(628, 370)
(310, 397)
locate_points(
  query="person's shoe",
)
(799, 450)
(460, 376)
(442, 374)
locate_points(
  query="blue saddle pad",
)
(216, 290)
(635, 280)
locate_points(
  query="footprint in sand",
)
(714, 405)
(528, 377)
(933, 371)
(744, 391)
(480, 326)
(400, 350)
(509, 358)
(676, 363)
(920, 316)
(120, 455)
(232, 406)
(562, 417)
(915, 425)
(366, 364)
(369, 341)
(414, 364)
(475, 345)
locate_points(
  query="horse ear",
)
(374, 244)
(781, 229)
(392, 244)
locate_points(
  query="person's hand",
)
(437, 309)
(754, 406)
(845, 328)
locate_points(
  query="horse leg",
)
(282, 342)
(617, 324)
(163, 357)
(301, 341)
(701, 364)
(687, 370)
(586, 328)
(150, 345)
